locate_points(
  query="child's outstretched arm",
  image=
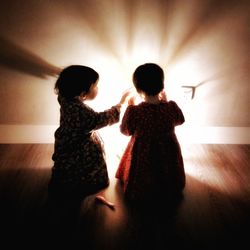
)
(124, 99)
(126, 94)
(131, 96)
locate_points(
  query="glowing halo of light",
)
(190, 42)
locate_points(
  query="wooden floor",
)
(214, 212)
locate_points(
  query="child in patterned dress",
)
(79, 166)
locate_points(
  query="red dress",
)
(152, 162)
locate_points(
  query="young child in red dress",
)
(152, 163)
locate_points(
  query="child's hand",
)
(131, 100)
(163, 95)
(125, 96)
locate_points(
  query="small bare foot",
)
(103, 200)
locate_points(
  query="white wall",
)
(203, 43)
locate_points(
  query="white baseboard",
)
(213, 135)
(186, 134)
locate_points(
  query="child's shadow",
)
(150, 224)
(60, 219)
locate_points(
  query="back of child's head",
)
(74, 80)
(149, 79)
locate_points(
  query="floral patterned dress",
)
(79, 157)
(152, 162)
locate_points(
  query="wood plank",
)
(214, 211)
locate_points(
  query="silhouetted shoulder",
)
(173, 103)
(179, 117)
(133, 108)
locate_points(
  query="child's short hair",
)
(75, 79)
(149, 78)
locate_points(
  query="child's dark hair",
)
(149, 79)
(74, 80)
